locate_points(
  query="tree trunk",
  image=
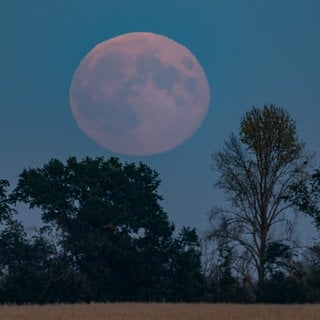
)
(262, 258)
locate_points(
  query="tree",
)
(306, 196)
(114, 240)
(284, 281)
(11, 244)
(25, 261)
(224, 282)
(255, 172)
(312, 273)
(5, 210)
(185, 279)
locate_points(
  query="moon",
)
(139, 94)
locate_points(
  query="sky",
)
(253, 52)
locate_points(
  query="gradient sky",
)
(253, 52)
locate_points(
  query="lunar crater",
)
(187, 63)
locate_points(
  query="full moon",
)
(139, 94)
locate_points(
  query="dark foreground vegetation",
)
(105, 237)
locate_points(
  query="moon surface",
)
(139, 94)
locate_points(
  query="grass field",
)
(160, 311)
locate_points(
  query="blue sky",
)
(252, 51)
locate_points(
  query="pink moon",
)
(139, 94)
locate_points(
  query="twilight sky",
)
(252, 51)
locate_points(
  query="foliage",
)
(282, 288)
(306, 196)
(110, 238)
(186, 282)
(24, 265)
(223, 283)
(5, 210)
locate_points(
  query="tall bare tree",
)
(255, 172)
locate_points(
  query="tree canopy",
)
(107, 236)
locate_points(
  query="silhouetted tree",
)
(223, 284)
(284, 282)
(306, 196)
(25, 264)
(114, 241)
(186, 281)
(5, 210)
(21, 260)
(312, 273)
(255, 172)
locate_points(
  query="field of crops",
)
(160, 311)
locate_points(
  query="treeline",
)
(105, 237)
